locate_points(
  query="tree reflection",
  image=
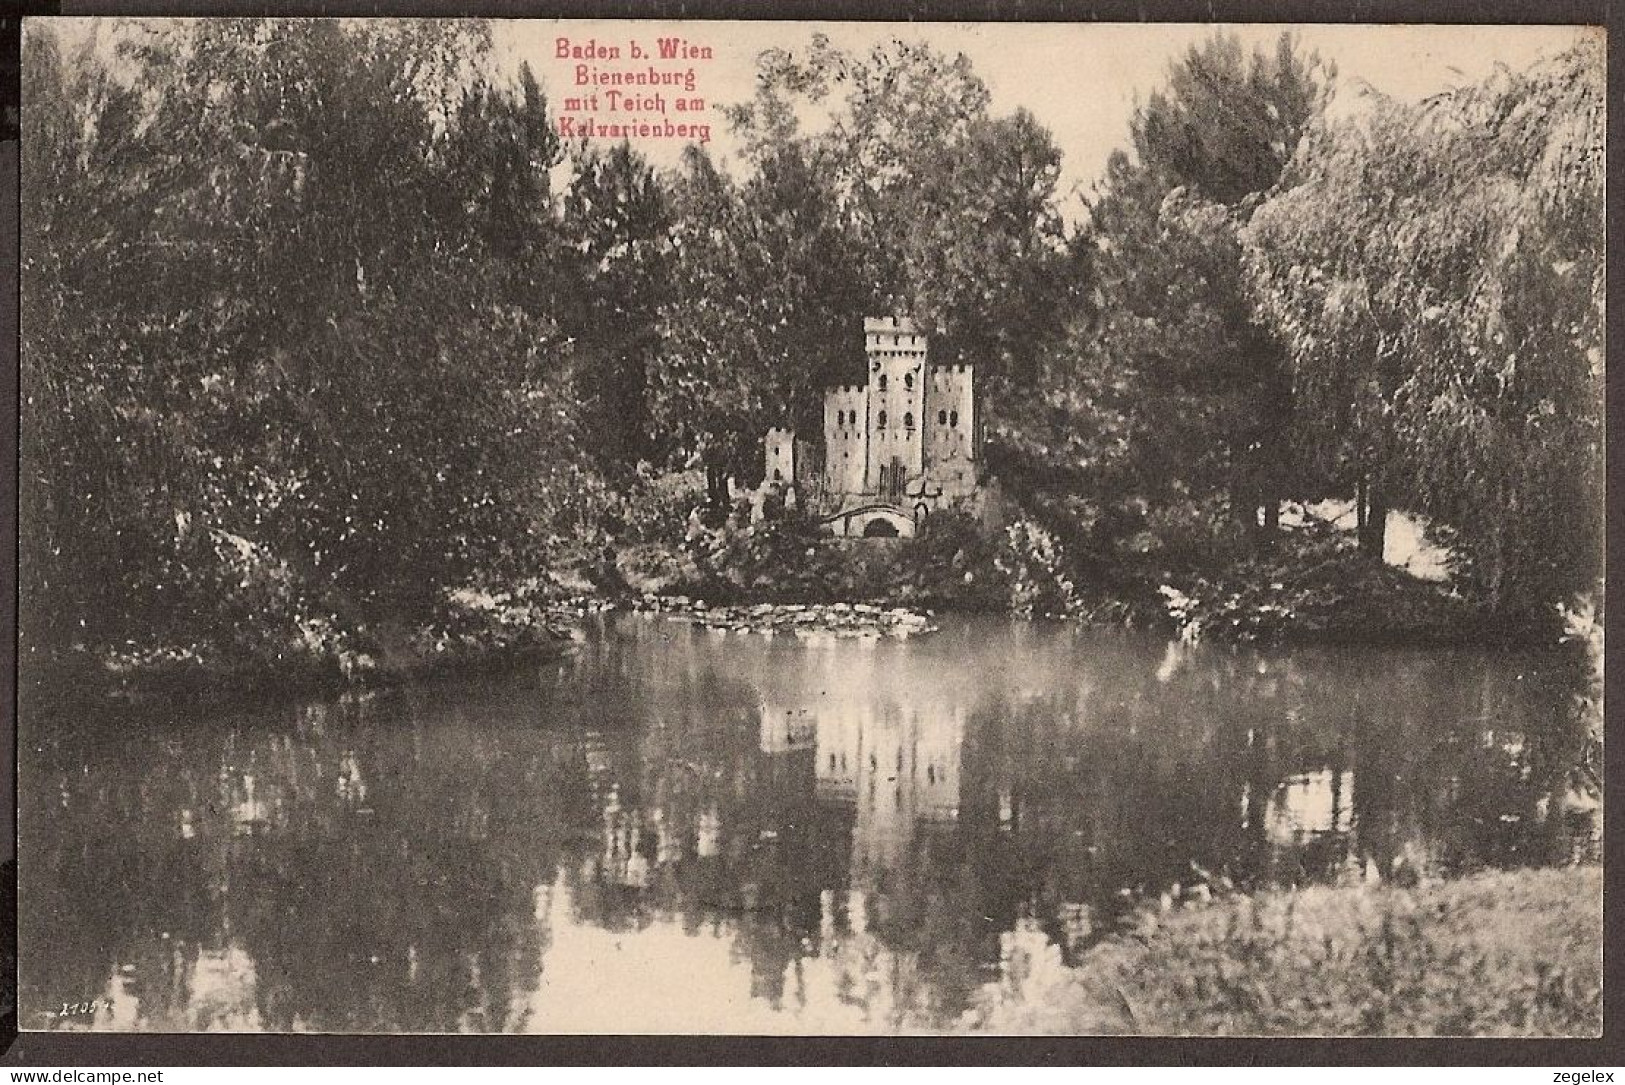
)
(843, 837)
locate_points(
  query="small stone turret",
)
(780, 448)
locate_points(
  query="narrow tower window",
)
(942, 418)
(880, 419)
(908, 381)
(882, 382)
(953, 418)
(908, 420)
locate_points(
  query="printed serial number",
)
(82, 1009)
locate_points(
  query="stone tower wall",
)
(846, 439)
(952, 448)
(896, 356)
(780, 456)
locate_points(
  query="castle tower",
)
(780, 449)
(846, 439)
(896, 356)
(952, 447)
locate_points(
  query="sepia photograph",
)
(706, 528)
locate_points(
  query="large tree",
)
(763, 314)
(1437, 271)
(92, 522)
(1178, 360)
(617, 226)
(246, 363)
(951, 209)
(1227, 122)
(499, 152)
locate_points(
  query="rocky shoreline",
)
(840, 620)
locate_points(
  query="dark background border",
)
(101, 1049)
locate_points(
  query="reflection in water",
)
(686, 831)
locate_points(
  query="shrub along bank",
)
(1309, 584)
(1510, 953)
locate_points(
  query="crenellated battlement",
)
(889, 325)
(908, 436)
(892, 337)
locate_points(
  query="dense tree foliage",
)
(1173, 398)
(763, 310)
(950, 210)
(1228, 122)
(1438, 274)
(322, 322)
(273, 396)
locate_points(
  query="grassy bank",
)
(1512, 953)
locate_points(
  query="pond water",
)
(694, 831)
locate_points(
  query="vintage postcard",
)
(811, 528)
